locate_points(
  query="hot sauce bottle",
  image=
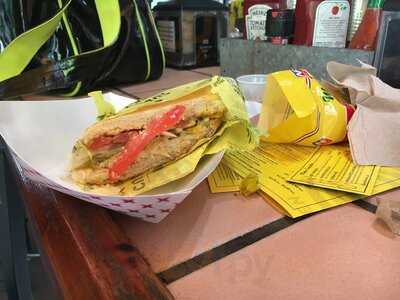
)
(321, 23)
(358, 8)
(365, 36)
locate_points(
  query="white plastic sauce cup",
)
(252, 86)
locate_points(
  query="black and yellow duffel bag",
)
(73, 46)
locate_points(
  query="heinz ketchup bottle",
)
(255, 12)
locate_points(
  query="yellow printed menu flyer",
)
(333, 168)
(388, 178)
(223, 180)
(274, 165)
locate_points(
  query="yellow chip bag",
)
(297, 109)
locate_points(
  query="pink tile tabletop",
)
(389, 195)
(170, 78)
(208, 70)
(340, 254)
(201, 222)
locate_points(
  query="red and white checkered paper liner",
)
(40, 136)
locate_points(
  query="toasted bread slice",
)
(199, 107)
(159, 152)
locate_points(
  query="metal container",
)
(190, 31)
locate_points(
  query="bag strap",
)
(17, 55)
(110, 20)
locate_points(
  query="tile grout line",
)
(153, 91)
(208, 257)
(366, 205)
(125, 93)
(158, 90)
(202, 73)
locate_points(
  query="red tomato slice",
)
(100, 142)
(104, 141)
(123, 137)
(137, 143)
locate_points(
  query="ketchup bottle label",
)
(331, 23)
(255, 22)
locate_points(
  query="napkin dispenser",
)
(190, 31)
(387, 54)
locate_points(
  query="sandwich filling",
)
(126, 149)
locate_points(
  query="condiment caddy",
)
(318, 23)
